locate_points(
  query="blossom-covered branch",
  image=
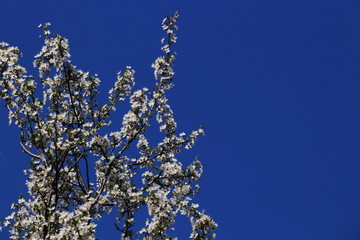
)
(77, 173)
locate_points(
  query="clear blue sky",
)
(276, 84)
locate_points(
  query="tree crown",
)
(76, 172)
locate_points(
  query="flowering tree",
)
(77, 172)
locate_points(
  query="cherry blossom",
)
(78, 172)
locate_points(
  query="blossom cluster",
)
(77, 173)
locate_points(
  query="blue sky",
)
(275, 83)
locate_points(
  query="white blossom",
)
(63, 132)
